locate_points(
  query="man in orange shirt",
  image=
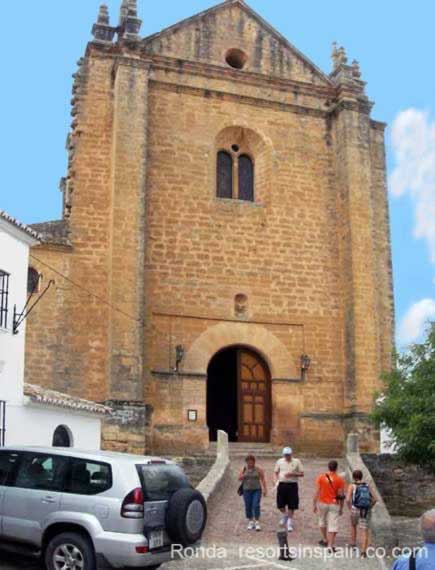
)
(328, 502)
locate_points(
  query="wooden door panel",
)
(254, 398)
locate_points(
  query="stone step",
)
(242, 449)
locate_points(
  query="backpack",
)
(363, 498)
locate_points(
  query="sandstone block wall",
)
(155, 260)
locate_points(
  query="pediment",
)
(233, 29)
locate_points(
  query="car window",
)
(41, 471)
(88, 477)
(160, 481)
(8, 463)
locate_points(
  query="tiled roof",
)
(51, 397)
(26, 229)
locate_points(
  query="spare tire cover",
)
(186, 516)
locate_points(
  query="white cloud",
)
(413, 142)
(414, 322)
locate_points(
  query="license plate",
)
(155, 539)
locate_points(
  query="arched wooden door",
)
(254, 397)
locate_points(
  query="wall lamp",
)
(305, 362)
(179, 355)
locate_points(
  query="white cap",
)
(287, 451)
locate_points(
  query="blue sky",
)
(393, 41)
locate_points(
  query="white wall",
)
(387, 441)
(34, 424)
(30, 423)
(14, 255)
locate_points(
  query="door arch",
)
(239, 395)
(62, 437)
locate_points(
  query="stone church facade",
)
(224, 252)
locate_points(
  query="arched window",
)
(246, 178)
(224, 175)
(32, 281)
(62, 437)
(235, 174)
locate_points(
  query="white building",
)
(30, 414)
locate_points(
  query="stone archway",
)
(254, 336)
(239, 395)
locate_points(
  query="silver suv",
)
(89, 510)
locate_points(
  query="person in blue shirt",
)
(425, 559)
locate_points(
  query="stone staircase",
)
(241, 450)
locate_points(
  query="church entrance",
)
(238, 395)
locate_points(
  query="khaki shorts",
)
(358, 520)
(328, 517)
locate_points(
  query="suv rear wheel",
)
(70, 551)
(186, 516)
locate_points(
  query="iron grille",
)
(4, 294)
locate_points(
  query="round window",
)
(236, 58)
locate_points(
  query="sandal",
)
(323, 543)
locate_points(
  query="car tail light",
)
(132, 505)
(142, 549)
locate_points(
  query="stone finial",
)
(342, 57)
(130, 24)
(102, 31)
(132, 8)
(339, 57)
(123, 12)
(334, 55)
(103, 15)
(356, 71)
(344, 74)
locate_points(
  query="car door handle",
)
(48, 500)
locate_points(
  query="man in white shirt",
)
(288, 470)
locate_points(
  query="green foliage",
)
(408, 403)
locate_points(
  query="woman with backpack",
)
(253, 487)
(360, 500)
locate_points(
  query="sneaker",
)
(257, 526)
(283, 522)
(290, 525)
(286, 557)
(251, 525)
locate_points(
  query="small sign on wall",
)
(192, 415)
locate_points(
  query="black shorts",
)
(288, 496)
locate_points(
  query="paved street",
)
(228, 544)
(227, 530)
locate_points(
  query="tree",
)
(407, 404)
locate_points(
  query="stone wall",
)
(381, 523)
(125, 429)
(155, 260)
(408, 490)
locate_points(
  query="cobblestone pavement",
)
(226, 541)
(228, 519)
